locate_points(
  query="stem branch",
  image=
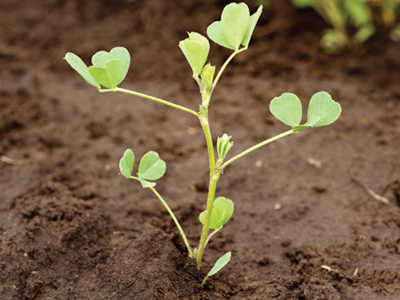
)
(117, 89)
(256, 147)
(172, 216)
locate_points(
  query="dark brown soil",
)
(71, 228)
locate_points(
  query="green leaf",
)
(123, 55)
(364, 33)
(78, 65)
(287, 109)
(115, 72)
(250, 28)
(216, 34)
(101, 76)
(223, 146)
(207, 76)
(126, 163)
(309, 124)
(234, 21)
(219, 264)
(221, 213)
(358, 12)
(102, 57)
(196, 49)
(322, 106)
(110, 76)
(145, 183)
(151, 167)
(302, 3)
(333, 41)
(224, 207)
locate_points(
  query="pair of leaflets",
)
(322, 110)
(109, 68)
(221, 213)
(151, 167)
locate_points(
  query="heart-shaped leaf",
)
(216, 34)
(219, 264)
(287, 109)
(234, 21)
(221, 213)
(252, 24)
(102, 57)
(126, 163)
(196, 49)
(151, 167)
(78, 65)
(110, 76)
(322, 106)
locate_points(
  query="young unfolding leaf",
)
(223, 146)
(207, 76)
(287, 109)
(126, 163)
(78, 65)
(151, 167)
(221, 213)
(236, 26)
(322, 106)
(196, 49)
(219, 264)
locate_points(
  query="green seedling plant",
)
(234, 32)
(342, 15)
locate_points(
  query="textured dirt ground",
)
(71, 228)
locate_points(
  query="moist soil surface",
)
(304, 226)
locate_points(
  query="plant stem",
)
(172, 216)
(211, 235)
(212, 187)
(117, 89)
(256, 147)
(210, 203)
(225, 65)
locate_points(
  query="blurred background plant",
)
(353, 21)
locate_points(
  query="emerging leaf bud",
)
(223, 146)
(207, 76)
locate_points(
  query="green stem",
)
(225, 65)
(117, 89)
(211, 235)
(206, 227)
(203, 117)
(256, 147)
(172, 216)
